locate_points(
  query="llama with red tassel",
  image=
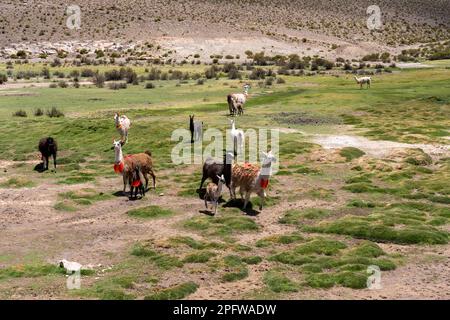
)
(252, 178)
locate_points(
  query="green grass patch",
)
(350, 153)
(17, 182)
(295, 216)
(223, 225)
(278, 282)
(161, 260)
(150, 212)
(199, 257)
(174, 293)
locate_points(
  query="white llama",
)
(362, 80)
(236, 101)
(123, 124)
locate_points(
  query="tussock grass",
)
(279, 239)
(30, 271)
(72, 200)
(295, 216)
(17, 182)
(325, 262)
(150, 212)
(350, 153)
(199, 257)
(161, 260)
(223, 226)
(174, 293)
(235, 269)
(278, 282)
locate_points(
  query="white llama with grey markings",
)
(363, 80)
(123, 124)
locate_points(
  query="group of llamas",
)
(136, 168)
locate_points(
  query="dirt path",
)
(378, 149)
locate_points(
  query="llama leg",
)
(262, 197)
(54, 160)
(215, 206)
(232, 191)
(124, 184)
(247, 198)
(154, 179)
(201, 182)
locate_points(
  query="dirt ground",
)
(101, 233)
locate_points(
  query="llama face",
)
(221, 178)
(268, 157)
(117, 145)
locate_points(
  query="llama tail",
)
(148, 152)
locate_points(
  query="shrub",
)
(149, 85)
(20, 113)
(99, 80)
(54, 113)
(86, 73)
(45, 73)
(117, 85)
(62, 84)
(3, 78)
(200, 82)
(257, 74)
(38, 112)
(53, 85)
(211, 72)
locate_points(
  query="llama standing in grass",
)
(214, 168)
(362, 80)
(236, 101)
(251, 178)
(238, 138)
(213, 192)
(48, 147)
(123, 124)
(127, 165)
(196, 128)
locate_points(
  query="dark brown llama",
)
(48, 147)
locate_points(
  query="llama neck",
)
(233, 127)
(118, 155)
(219, 188)
(266, 169)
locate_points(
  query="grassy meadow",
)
(329, 215)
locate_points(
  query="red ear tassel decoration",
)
(136, 183)
(118, 168)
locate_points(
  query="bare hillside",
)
(219, 26)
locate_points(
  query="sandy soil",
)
(377, 149)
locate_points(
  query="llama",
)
(123, 124)
(236, 101)
(126, 165)
(212, 168)
(136, 181)
(250, 178)
(48, 147)
(362, 80)
(213, 193)
(238, 138)
(196, 128)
